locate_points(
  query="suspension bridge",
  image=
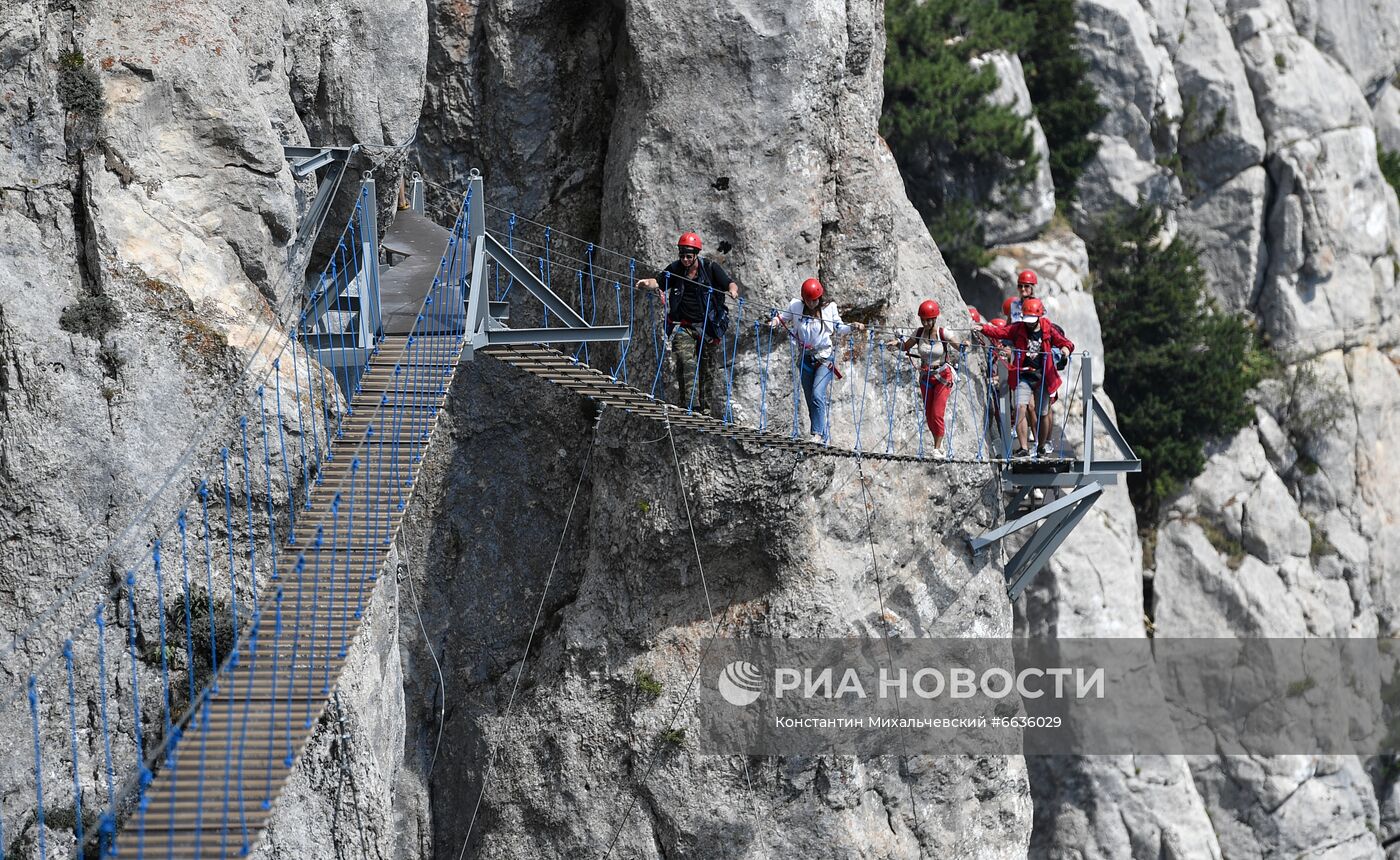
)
(165, 713)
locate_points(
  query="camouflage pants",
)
(687, 351)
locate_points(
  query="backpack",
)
(1058, 355)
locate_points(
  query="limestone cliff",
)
(1256, 122)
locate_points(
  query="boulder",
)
(1363, 36)
(1330, 222)
(1299, 91)
(1133, 76)
(1220, 135)
(1385, 112)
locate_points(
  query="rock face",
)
(784, 547)
(147, 253)
(1280, 110)
(163, 195)
(1013, 217)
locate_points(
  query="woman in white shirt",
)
(812, 321)
(937, 353)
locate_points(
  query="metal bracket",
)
(1056, 519)
(305, 161)
(1129, 461)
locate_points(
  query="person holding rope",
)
(937, 354)
(1034, 373)
(811, 321)
(695, 304)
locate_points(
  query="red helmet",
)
(928, 310)
(998, 321)
(812, 290)
(689, 240)
(1032, 309)
(976, 317)
(1026, 277)
(1006, 307)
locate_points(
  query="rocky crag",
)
(1256, 123)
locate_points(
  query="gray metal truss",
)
(306, 160)
(1056, 520)
(486, 319)
(1085, 479)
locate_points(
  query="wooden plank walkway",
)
(216, 792)
(553, 366)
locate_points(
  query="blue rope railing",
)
(883, 390)
(169, 689)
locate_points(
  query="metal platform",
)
(413, 249)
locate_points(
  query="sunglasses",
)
(689, 253)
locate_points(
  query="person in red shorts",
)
(1033, 377)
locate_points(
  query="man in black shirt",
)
(695, 297)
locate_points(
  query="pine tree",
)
(946, 136)
(1180, 371)
(1066, 105)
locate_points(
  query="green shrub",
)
(1390, 166)
(1066, 105)
(93, 315)
(1179, 370)
(79, 89)
(646, 684)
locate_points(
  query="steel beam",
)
(523, 336)
(343, 356)
(1060, 479)
(986, 539)
(1031, 557)
(1087, 371)
(311, 163)
(1124, 449)
(305, 161)
(528, 279)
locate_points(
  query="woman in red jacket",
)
(1033, 375)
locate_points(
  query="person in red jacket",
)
(1033, 375)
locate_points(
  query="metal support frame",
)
(1056, 520)
(305, 161)
(353, 346)
(1085, 478)
(486, 318)
(416, 191)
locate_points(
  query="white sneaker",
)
(937, 454)
(816, 439)
(1048, 450)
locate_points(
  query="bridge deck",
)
(215, 792)
(418, 242)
